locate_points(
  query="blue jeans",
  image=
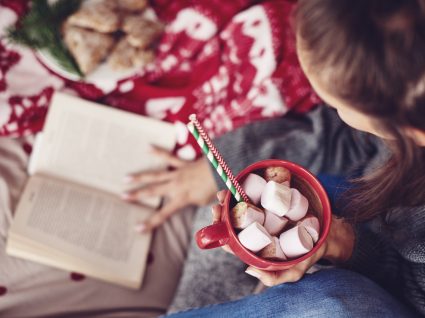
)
(328, 293)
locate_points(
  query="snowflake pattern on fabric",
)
(27, 114)
(230, 62)
(8, 58)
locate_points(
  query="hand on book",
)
(186, 183)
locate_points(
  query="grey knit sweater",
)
(389, 250)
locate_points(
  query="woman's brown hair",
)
(371, 54)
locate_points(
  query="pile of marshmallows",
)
(281, 229)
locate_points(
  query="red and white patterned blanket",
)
(231, 62)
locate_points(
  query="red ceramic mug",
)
(223, 233)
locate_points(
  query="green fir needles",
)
(40, 28)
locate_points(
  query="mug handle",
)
(212, 236)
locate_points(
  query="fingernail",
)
(140, 228)
(151, 148)
(128, 179)
(126, 196)
(252, 272)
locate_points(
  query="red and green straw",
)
(216, 159)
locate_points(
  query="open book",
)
(70, 214)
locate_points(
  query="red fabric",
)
(19, 6)
(8, 58)
(231, 62)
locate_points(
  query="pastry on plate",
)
(140, 31)
(89, 48)
(98, 15)
(125, 56)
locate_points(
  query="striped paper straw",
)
(216, 159)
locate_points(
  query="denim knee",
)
(335, 293)
(332, 293)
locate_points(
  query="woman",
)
(366, 58)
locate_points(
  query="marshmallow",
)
(274, 224)
(311, 224)
(298, 206)
(296, 242)
(273, 251)
(253, 186)
(255, 237)
(244, 214)
(276, 198)
(277, 174)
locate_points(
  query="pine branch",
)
(40, 29)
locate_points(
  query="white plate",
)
(104, 76)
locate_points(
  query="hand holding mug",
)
(337, 248)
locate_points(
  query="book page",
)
(96, 145)
(83, 226)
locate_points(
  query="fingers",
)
(273, 278)
(221, 195)
(227, 249)
(150, 176)
(172, 160)
(216, 213)
(267, 278)
(159, 217)
(158, 190)
(290, 275)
